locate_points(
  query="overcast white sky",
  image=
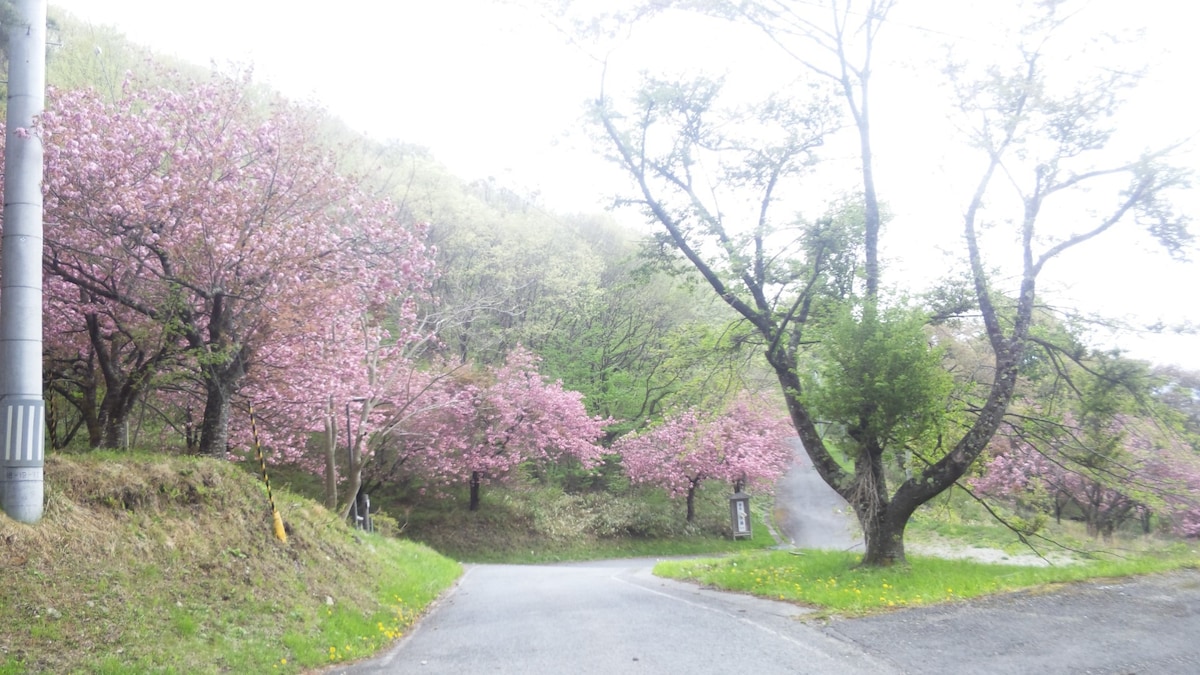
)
(494, 91)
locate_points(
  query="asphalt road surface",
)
(610, 617)
(616, 617)
(808, 513)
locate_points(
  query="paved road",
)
(611, 617)
(615, 617)
(808, 513)
(1146, 626)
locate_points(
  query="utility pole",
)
(22, 409)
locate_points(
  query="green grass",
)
(154, 564)
(831, 581)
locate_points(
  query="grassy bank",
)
(156, 564)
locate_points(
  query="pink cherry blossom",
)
(219, 226)
(746, 445)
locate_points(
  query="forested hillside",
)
(225, 267)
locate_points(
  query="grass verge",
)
(830, 581)
(601, 549)
(538, 524)
(154, 564)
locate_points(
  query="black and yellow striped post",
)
(280, 532)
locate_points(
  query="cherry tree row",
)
(206, 257)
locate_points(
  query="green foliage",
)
(82, 55)
(832, 249)
(640, 342)
(877, 377)
(509, 271)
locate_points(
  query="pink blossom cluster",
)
(1150, 472)
(217, 228)
(211, 237)
(747, 443)
(492, 422)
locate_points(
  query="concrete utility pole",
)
(22, 410)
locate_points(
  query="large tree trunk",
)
(117, 407)
(220, 383)
(214, 428)
(91, 418)
(884, 539)
(353, 485)
(356, 461)
(127, 370)
(223, 372)
(116, 432)
(882, 535)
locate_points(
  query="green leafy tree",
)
(640, 341)
(877, 379)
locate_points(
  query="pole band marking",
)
(8, 436)
(23, 432)
(16, 432)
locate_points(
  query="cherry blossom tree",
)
(388, 417)
(222, 221)
(502, 418)
(1141, 473)
(1179, 472)
(747, 444)
(404, 422)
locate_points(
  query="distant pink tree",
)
(1177, 470)
(747, 444)
(225, 223)
(495, 421)
(1144, 472)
